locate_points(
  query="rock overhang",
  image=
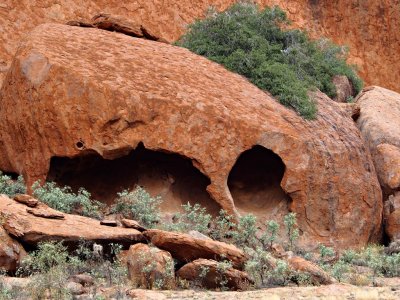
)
(73, 91)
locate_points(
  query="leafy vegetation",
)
(140, 206)
(258, 45)
(63, 199)
(11, 187)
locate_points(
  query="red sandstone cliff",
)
(369, 27)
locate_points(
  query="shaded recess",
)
(171, 176)
(254, 183)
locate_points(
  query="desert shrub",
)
(222, 227)
(291, 229)
(245, 233)
(258, 45)
(139, 205)
(270, 234)
(65, 200)
(339, 270)
(49, 268)
(193, 217)
(11, 187)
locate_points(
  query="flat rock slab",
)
(32, 229)
(187, 248)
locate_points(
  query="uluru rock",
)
(102, 110)
(379, 123)
(32, 229)
(186, 248)
(209, 274)
(365, 26)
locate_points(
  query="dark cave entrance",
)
(171, 176)
(254, 183)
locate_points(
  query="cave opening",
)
(254, 183)
(171, 176)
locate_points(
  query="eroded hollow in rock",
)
(171, 176)
(254, 183)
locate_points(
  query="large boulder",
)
(11, 252)
(106, 111)
(150, 266)
(30, 228)
(211, 274)
(346, 22)
(186, 248)
(317, 275)
(379, 123)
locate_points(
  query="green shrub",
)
(270, 234)
(193, 217)
(257, 44)
(63, 199)
(48, 267)
(245, 233)
(291, 229)
(222, 227)
(139, 205)
(11, 187)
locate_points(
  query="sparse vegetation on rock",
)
(259, 45)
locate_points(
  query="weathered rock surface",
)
(392, 216)
(318, 276)
(132, 224)
(379, 123)
(28, 200)
(11, 252)
(212, 278)
(187, 248)
(369, 28)
(31, 229)
(148, 265)
(344, 89)
(132, 92)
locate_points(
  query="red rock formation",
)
(73, 92)
(212, 277)
(379, 123)
(32, 229)
(369, 27)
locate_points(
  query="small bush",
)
(139, 205)
(194, 217)
(63, 199)
(48, 267)
(257, 44)
(291, 229)
(11, 187)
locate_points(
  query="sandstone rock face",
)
(186, 248)
(369, 28)
(135, 111)
(344, 88)
(32, 229)
(379, 122)
(147, 265)
(392, 217)
(211, 279)
(11, 252)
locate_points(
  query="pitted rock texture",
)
(369, 28)
(379, 123)
(72, 92)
